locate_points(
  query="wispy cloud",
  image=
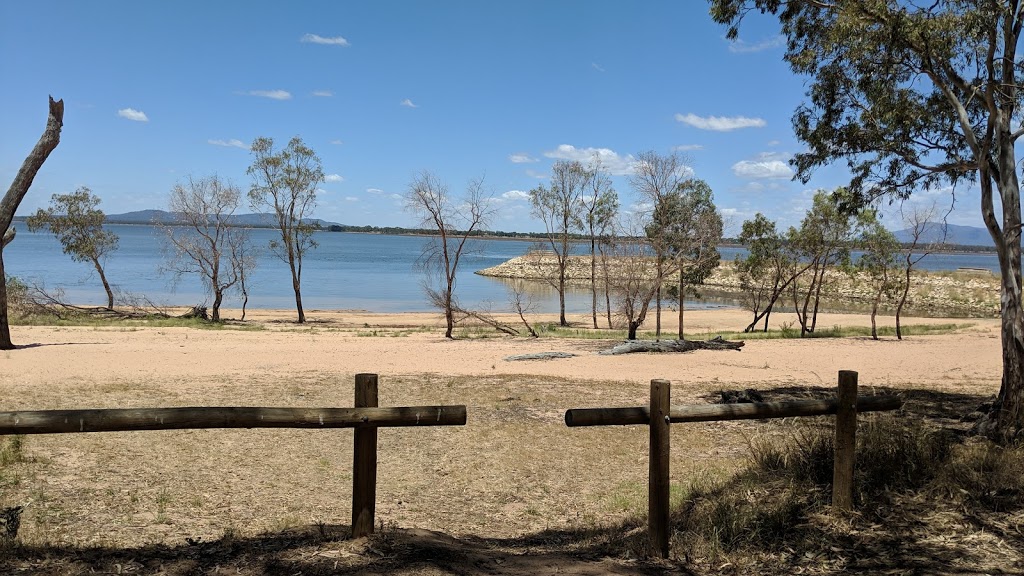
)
(687, 147)
(742, 47)
(374, 190)
(596, 66)
(333, 178)
(323, 93)
(232, 143)
(351, 199)
(720, 123)
(318, 39)
(408, 103)
(610, 160)
(516, 195)
(521, 158)
(272, 94)
(337, 142)
(133, 114)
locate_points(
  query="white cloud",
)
(596, 66)
(323, 93)
(741, 47)
(374, 190)
(396, 196)
(272, 94)
(535, 174)
(333, 178)
(516, 195)
(615, 164)
(317, 39)
(774, 142)
(762, 169)
(687, 147)
(233, 143)
(133, 114)
(408, 104)
(351, 199)
(720, 123)
(337, 142)
(521, 158)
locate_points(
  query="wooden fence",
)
(365, 417)
(659, 414)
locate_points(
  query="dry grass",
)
(513, 492)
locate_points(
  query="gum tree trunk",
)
(19, 188)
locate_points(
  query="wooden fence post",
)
(845, 442)
(364, 461)
(658, 479)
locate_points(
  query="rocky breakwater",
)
(973, 294)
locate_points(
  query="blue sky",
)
(383, 90)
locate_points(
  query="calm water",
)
(347, 271)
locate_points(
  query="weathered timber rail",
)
(365, 417)
(133, 419)
(660, 413)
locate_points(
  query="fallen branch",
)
(633, 346)
(540, 356)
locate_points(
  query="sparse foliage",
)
(454, 220)
(77, 222)
(285, 182)
(205, 243)
(920, 223)
(878, 262)
(560, 207)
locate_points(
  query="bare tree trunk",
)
(106, 285)
(903, 298)
(16, 193)
(218, 298)
(593, 277)
(561, 290)
(682, 303)
(607, 288)
(874, 312)
(296, 286)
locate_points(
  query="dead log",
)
(196, 312)
(540, 356)
(633, 346)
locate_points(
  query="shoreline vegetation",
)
(967, 293)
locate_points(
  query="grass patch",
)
(776, 511)
(86, 320)
(844, 332)
(12, 449)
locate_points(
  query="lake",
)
(372, 272)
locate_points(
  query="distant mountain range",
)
(959, 235)
(257, 220)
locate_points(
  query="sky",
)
(157, 91)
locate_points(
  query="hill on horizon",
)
(955, 234)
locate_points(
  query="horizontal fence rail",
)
(129, 419)
(714, 412)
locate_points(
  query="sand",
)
(342, 342)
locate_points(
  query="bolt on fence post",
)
(845, 442)
(658, 479)
(364, 461)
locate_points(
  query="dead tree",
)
(16, 193)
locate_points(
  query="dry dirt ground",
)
(513, 492)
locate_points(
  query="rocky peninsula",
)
(960, 293)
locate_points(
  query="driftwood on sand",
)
(716, 343)
(540, 356)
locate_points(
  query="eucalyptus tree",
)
(559, 207)
(454, 220)
(600, 207)
(878, 261)
(77, 222)
(285, 182)
(823, 241)
(691, 228)
(47, 142)
(916, 95)
(202, 240)
(656, 176)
